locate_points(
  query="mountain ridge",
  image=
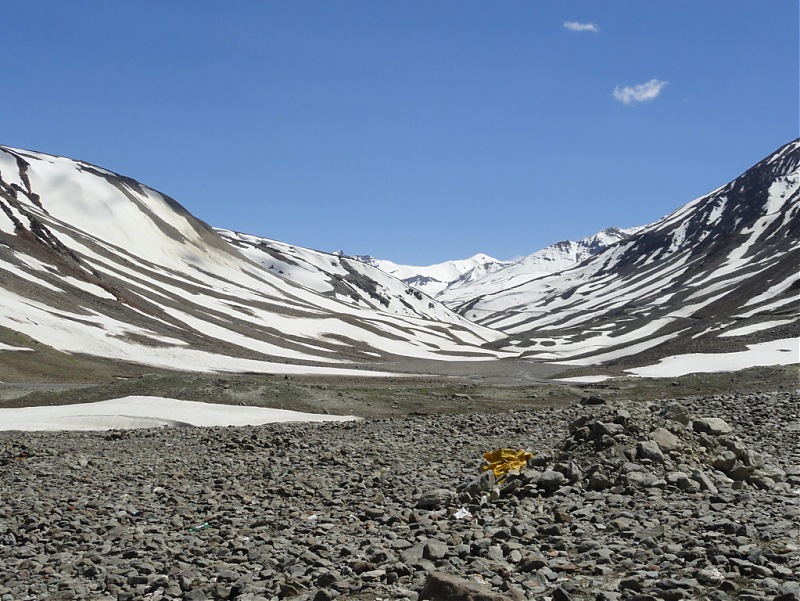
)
(98, 265)
(727, 256)
(440, 280)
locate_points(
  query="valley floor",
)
(370, 509)
(419, 387)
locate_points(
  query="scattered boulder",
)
(649, 449)
(444, 587)
(676, 412)
(666, 440)
(433, 499)
(714, 426)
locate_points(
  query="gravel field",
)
(696, 498)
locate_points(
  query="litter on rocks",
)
(462, 513)
(503, 461)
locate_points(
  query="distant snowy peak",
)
(452, 281)
(565, 254)
(433, 279)
(551, 259)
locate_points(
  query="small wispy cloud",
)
(641, 93)
(575, 26)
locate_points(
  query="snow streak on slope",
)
(345, 279)
(92, 262)
(729, 255)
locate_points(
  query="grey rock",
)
(666, 440)
(551, 480)
(435, 498)
(281, 526)
(434, 549)
(606, 429)
(676, 412)
(561, 594)
(481, 484)
(714, 426)
(649, 449)
(445, 587)
(682, 481)
(703, 481)
(762, 481)
(740, 472)
(724, 461)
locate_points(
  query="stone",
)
(725, 461)
(435, 498)
(649, 449)
(434, 549)
(682, 481)
(412, 554)
(704, 482)
(666, 440)
(762, 481)
(752, 459)
(323, 594)
(676, 412)
(599, 481)
(739, 472)
(445, 587)
(551, 481)
(481, 484)
(345, 522)
(714, 426)
(561, 594)
(600, 429)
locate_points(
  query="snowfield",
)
(777, 352)
(148, 412)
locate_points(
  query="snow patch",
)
(149, 412)
(777, 352)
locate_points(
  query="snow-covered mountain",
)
(454, 281)
(551, 259)
(94, 263)
(725, 265)
(335, 276)
(435, 279)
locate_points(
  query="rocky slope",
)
(695, 498)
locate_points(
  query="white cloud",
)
(640, 93)
(575, 26)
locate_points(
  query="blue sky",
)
(415, 131)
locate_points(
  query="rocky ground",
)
(695, 498)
